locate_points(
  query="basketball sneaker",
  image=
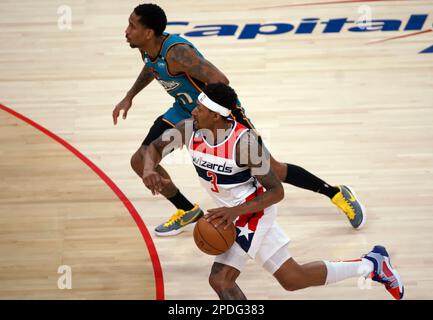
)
(346, 201)
(177, 223)
(384, 273)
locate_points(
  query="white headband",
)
(211, 105)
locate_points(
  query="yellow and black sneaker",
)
(177, 223)
(347, 202)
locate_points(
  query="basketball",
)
(211, 240)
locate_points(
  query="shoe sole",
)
(397, 276)
(175, 232)
(363, 209)
(400, 283)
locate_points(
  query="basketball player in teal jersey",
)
(183, 71)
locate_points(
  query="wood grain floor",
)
(54, 212)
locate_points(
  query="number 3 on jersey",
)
(213, 180)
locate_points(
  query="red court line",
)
(400, 37)
(324, 3)
(159, 281)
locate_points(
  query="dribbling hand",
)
(227, 214)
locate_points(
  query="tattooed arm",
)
(145, 77)
(251, 153)
(257, 158)
(171, 139)
(182, 58)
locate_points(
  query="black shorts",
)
(157, 129)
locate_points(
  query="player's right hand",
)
(124, 105)
(154, 181)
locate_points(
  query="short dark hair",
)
(222, 94)
(152, 16)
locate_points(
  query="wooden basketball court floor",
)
(351, 107)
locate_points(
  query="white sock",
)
(340, 270)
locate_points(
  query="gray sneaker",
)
(177, 223)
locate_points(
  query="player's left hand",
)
(228, 215)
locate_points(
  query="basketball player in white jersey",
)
(234, 168)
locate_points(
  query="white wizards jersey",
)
(219, 173)
(231, 185)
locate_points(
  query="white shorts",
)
(273, 252)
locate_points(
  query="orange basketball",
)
(211, 240)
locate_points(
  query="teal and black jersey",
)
(181, 87)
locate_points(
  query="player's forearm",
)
(263, 201)
(145, 77)
(171, 139)
(152, 157)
